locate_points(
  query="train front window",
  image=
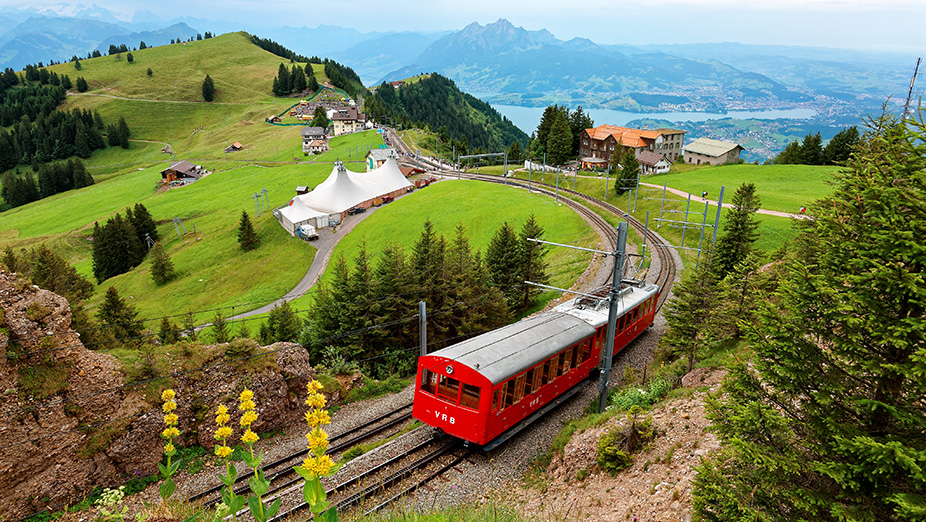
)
(448, 388)
(470, 397)
(428, 382)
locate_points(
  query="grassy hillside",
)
(780, 187)
(481, 208)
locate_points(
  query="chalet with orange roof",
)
(598, 144)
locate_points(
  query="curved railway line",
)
(401, 474)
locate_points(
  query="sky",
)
(885, 25)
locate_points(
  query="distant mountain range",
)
(502, 63)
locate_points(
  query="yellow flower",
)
(317, 418)
(168, 395)
(169, 406)
(221, 410)
(168, 447)
(318, 466)
(315, 400)
(222, 419)
(314, 385)
(317, 438)
(246, 395)
(170, 433)
(248, 418)
(249, 437)
(222, 451)
(223, 433)
(170, 419)
(247, 405)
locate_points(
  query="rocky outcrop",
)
(70, 420)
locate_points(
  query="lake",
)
(527, 118)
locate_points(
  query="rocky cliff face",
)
(70, 420)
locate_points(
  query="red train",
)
(487, 388)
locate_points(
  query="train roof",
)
(595, 312)
(509, 350)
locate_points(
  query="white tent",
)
(337, 193)
(384, 180)
(296, 214)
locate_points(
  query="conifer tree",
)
(690, 317)
(82, 84)
(247, 237)
(392, 296)
(162, 268)
(220, 327)
(320, 118)
(144, 224)
(428, 258)
(208, 89)
(740, 231)
(167, 333)
(189, 326)
(282, 325)
(503, 259)
(119, 317)
(559, 142)
(827, 422)
(629, 173)
(532, 265)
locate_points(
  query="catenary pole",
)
(604, 377)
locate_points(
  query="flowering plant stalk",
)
(170, 419)
(258, 484)
(317, 464)
(230, 500)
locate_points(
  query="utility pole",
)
(423, 327)
(607, 355)
(607, 358)
(907, 111)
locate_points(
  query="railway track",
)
(380, 485)
(664, 260)
(280, 472)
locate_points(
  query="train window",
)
(560, 363)
(470, 397)
(545, 378)
(575, 356)
(592, 345)
(428, 381)
(495, 399)
(509, 394)
(620, 323)
(448, 388)
(529, 381)
(538, 378)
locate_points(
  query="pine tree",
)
(690, 313)
(129, 58)
(283, 82)
(82, 84)
(532, 265)
(392, 300)
(579, 120)
(189, 326)
(503, 263)
(208, 89)
(320, 118)
(247, 237)
(629, 173)
(167, 333)
(220, 327)
(144, 224)
(740, 231)
(162, 269)
(827, 422)
(119, 317)
(124, 133)
(559, 142)
(514, 152)
(282, 325)
(428, 258)
(839, 148)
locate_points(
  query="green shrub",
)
(610, 457)
(625, 399)
(35, 311)
(372, 389)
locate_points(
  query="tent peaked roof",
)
(339, 192)
(385, 179)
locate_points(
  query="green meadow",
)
(481, 208)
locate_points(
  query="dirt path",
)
(149, 100)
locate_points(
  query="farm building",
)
(342, 190)
(234, 147)
(377, 157)
(652, 163)
(181, 170)
(705, 151)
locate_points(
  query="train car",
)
(483, 389)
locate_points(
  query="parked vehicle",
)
(307, 232)
(356, 210)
